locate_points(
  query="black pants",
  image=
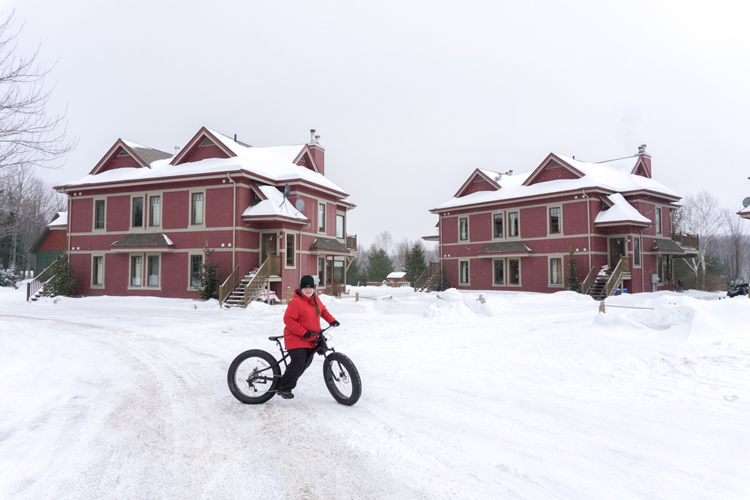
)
(300, 360)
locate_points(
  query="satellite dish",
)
(299, 204)
(746, 202)
(286, 190)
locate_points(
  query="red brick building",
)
(139, 221)
(506, 231)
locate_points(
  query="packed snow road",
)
(525, 396)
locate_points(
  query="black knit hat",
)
(306, 281)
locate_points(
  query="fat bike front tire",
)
(342, 378)
(253, 377)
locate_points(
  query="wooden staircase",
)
(236, 292)
(429, 279)
(605, 283)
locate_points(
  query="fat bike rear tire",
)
(342, 378)
(253, 377)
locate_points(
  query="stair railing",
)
(272, 263)
(229, 284)
(430, 272)
(623, 266)
(590, 277)
(33, 286)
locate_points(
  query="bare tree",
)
(28, 136)
(402, 248)
(383, 241)
(700, 214)
(734, 249)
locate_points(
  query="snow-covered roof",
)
(612, 175)
(273, 163)
(396, 275)
(620, 211)
(275, 205)
(61, 220)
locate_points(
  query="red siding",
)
(82, 215)
(449, 230)
(118, 213)
(56, 240)
(120, 162)
(533, 222)
(479, 184)
(219, 206)
(176, 210)
(554, 174)
(198, 153)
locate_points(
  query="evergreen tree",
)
(9, 277)
(573, 281)
(380, 266)
(414, 264)
(62, 282)
(209, 276)
(353, 275)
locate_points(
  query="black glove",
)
(335, 323)
(308, 335)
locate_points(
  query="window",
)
(338, 271)
(514, 272)
(321, 217)
(138, 212)
(555, 271)
(497, 231)
(636, 252)
(290, 250)
(659, 268)
(97, 271)
(99, 214)
(196, 208)
(136, 270)
(153, 270)
(463, 272)
(513, 224)
(321, 271)
(554, 220)
(463, 228)
(196, 262)
(658, 220)
(154, 211)
(499, 266)
(340, 226)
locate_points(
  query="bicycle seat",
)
(276, 338)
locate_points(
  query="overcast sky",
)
(409, 97)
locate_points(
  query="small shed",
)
(51, 243)
(397, 278)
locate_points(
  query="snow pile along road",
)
(520, 396)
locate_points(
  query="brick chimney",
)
(646, 159)
(318, 153)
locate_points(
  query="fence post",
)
(356, 297)
(601, 307)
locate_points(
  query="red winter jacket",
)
(300, 317)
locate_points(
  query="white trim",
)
(468, 272)
(505, 273)
(287, 234)
(492, 225)
(562, 271)
(96, 255)
(103, 229)
(202, 224)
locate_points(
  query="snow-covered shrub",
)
(9, 277)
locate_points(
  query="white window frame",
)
(93, 225)
(468, 235)
(201, 224)
(322, 220)
(147, 262)
(468, 272)
(637, 253)
(286, 250)
(518, 221)
(131, 257)
(95, 256)
(658, 221)
(549, 221)
(134, 197)
(549, 271)
(507, 272)
(342, 217)
(161, 209)
(492, 224)
(190, 286)
(494, 271)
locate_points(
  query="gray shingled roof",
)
(505, 247)
(329, 245)
(663, 245)
(149, 155)
(143, 240)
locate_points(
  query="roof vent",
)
(312, 136)
(642, 149)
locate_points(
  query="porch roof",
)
(328, 245)
(505, 247)
(664, 245)
(145, 240)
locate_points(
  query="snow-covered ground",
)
(524, 396)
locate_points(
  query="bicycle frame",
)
(285, 354)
